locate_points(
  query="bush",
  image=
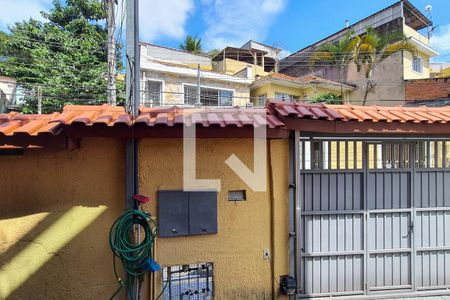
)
(328, 98)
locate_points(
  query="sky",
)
(288, 24)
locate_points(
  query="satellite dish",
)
(428, 8)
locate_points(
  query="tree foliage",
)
(338, 54)
(66, 55)
(366, 51)
(328, 98)
(192, 44)
(374, 47)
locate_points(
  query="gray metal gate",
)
(373, 216)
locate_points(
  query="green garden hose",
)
(133, 253)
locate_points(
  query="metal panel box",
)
(202, 212)
(173, 213)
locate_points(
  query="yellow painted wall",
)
(244, 228)
(57, 207)
(408, 66)
(271, 89)
(232, 66)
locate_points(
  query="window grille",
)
(418, 64)
(432, 154)
(193, 281)
(261, 100)
(286, 97)
(153, 93)
(331, 155)
(208, 96)
(388, 155)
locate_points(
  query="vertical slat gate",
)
(377, 222)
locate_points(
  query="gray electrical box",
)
(202, 212)
(187, 213)
(173, 213)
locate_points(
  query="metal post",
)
(132, 100)
(198, 102)
(39, 99)
(111, 22)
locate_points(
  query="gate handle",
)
(410, 231)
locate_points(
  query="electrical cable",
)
(133, 254)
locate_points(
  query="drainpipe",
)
(294, 208)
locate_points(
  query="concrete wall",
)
(231, 66)
(173, 87)
(245, 229)
(176, 56)
(387, 76)
(388, 79)
(57, 207)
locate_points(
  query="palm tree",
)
(338, 54)
(374, 47)
(192, 44)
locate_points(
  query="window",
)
(193, 281)
(286, 97)
(153, 93)
(208, 96)
(261, 100)
(417, 64)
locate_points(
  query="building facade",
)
(388, 77)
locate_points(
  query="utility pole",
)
(132, 90)
(111, 22)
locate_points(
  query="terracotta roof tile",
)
(360, 113)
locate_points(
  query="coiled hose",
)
(132, 252)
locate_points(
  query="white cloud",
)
(163, 18)
(233, 22)
(19, 10)
(441, 42)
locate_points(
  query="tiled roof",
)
(207, 117)
(347, 112)
(79, 121)
(51, 124)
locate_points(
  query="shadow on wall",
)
(55, 259)
(52, 244)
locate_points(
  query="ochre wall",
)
(57, 207)
(244, 228)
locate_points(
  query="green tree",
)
(66, 55)
(328, 98)
(192, 44)
(338, 54)
(374, 47)
(213, 52)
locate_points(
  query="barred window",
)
(417, 64)
(153, 93)
(208, 96)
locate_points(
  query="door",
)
(389, 217)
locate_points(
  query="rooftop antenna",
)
(430, 28)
